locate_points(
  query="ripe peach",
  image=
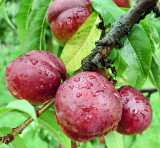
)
(137, 111)
(87, 106)
(66, 16)
(33, 77)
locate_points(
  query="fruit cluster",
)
(87, 105)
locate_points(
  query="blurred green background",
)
(35, 136)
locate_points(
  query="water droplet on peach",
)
(88, 85)
(137, 100)
(40, 72)
(92, 77)
(71, 86)
(115, 94)
(77, 79)
(60, 25)
(88, 118)
(42, 87)
(135, 112)
(14, 92)
(146, 110)
(46, 73)
(34, 62)
(78, 94)
(143, 115)
(50, 86)
(41, 80)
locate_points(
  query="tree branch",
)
(149, 90)
(18, 130)
(119, 30)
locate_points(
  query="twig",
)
(119, 30)
(149, 90)
(18, 130)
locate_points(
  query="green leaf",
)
(22, 18)
(36, 24)
(47, 120)
(36, 7)
(108, 9)
(16, 143)
(129, 140)
(114, 140)
(81, 44)
(4, 14)
(2, 1)
(24, 106)
(155, 71)
(87, 145)
(155, 28)
(35, 35)
(148, 30)
(120, 65)
(137, 53)
(4, 110)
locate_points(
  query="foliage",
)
(137, 64)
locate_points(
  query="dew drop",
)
(77, 79)
(87, 108)
(86, 13)
(104, 87)
(115, 94)
(143, 115)
(46, 73)
(78, 94)
(137, 119)
(88, 85)
(126, 101)
(146, 110)
(129, 129)
(40, 72)
(34, 62)
(50, 86)
(75, 13)
(92, 77)
(14, 92)
(69, 23)
(21, 60)
(60, 25)
(88, 118)
(50, 69)
(97, 92)
(135, 112)
(137, 100)
(21, 75)
(41, 80)
(42, 87)
(51, 77)
(71, 86)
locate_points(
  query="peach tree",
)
(80, 73)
